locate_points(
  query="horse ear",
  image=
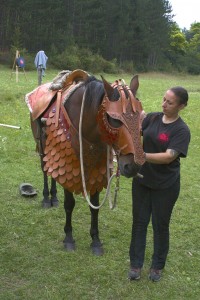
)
(134, 84)
(108, 88)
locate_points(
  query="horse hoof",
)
(46, 204)
(70, 246)
(55, 203)
(97, 249)
(69, 243)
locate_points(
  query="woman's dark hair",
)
(181, 93)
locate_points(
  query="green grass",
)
(34, 264)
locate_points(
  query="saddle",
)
(42, 97)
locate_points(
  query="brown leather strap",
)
(66, 115)
(58, 103)
(123, 98)
(132, 99)
(64, 111)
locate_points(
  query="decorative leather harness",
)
(62, 143)
(128, 111)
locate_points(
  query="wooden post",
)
(17, 55)
(39, 75)
(16, 67)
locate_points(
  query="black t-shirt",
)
(158, 137)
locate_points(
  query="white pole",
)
(10, 126)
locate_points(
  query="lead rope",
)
(112, 205)
(83, 173)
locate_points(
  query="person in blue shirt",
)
(166, 138)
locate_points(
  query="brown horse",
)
(102, 115)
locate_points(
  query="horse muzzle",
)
(127, 166)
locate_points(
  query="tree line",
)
(133, 34)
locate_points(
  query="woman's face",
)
(170, 104)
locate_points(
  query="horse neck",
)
(90, 131)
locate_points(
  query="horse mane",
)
(94, 92)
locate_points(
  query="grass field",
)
(33, 262)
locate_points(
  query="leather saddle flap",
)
(39, 99)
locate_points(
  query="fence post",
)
(39, 75)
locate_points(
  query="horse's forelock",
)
(116, 94)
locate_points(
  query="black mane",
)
(94, 92)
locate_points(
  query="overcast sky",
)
(186, 11)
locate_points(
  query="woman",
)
(165, 139)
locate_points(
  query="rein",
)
(110, 179)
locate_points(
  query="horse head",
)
(119, 122)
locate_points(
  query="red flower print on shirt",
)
(163, 137)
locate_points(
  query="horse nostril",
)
(130, 170)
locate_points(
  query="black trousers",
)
(157, 205)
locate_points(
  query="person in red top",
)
(166, 139)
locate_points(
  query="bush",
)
(8, 58)
(128, 66)
(193, 64)
(99, 64)
(5, 58)
(74, 58)
(67, 60)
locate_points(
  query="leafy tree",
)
(193, 53)
(177, 48)
(132, 32)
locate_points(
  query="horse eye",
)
(114, 122)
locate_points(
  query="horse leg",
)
(96, 245)
(53, 191)
(38, 130)
(69, 203)
(46, 203)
